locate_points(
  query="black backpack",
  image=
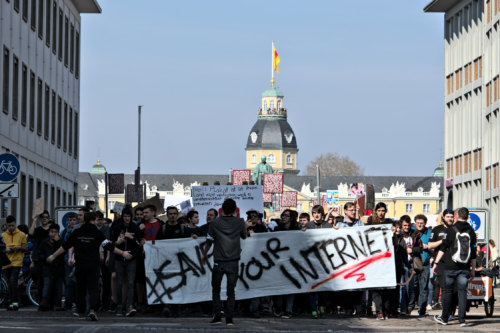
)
(461, 247)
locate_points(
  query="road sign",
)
(9, 167)
(61, 214)
(477, 220)
(9, 190)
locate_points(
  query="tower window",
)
(271, 158)
(289, 159)
(253, 159)
(271, 105)
(279, 105)
(265, 105)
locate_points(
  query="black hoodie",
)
(225, 232)
(447, 246)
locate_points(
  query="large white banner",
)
(275, 263)
(247, 197)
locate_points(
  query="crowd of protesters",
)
(95, 264)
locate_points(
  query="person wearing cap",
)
(254, 222)
(436, 239)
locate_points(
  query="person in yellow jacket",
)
(16, 243)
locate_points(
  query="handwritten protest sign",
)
(240, 176)
(246, 196)
(275, 263)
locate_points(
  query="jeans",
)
(69, 286)
(128, 268)
(407, 292)
(12, 276)
(230, 269)
(287, 299)
(438, 284)
(382, 299)
(87, 281)
(460, 277)
(52, 286)
(317, 299)
(423, 286)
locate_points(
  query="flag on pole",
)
(276, 59)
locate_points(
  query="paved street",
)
(30, 320)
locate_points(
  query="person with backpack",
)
(458, 252)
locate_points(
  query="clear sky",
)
(360, 78)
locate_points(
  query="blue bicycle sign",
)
(9, 167)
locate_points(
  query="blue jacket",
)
(420, 238)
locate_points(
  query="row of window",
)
(426, 208)
(271, 158)
(54, 118)
(48, 20)
(490, 10)
(29, 190)
(271, 105)
(472, 70)
(492, 92)
(489, 170)
(463, 164)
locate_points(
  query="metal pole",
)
(138, 183)
(317, 184)
(106, 192)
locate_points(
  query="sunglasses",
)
(45, 217)
(253, 215)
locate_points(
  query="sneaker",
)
(322, 310)
(437, 306)
(465, 324)
(131, 312)
(439, 320)
(13, 307)
(286, 315)
(120, 314)
(93, 316)
(425, 314)
(429, 307)
(229, 321)
(216, 320)
(380, 316)
(315, 315)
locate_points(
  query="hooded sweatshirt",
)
(17, 238)
(449, 241)
(225, 232)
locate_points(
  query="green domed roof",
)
(272, 92)
(439, 172)
(98, 168)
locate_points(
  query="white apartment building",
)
(40, 98)
(472, 100)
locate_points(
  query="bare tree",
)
(332, 164)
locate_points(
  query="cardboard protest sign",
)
(240, 176)
(246, 196)
(273, 183)
(277, 263)
(38, 207)
(118, 207)
(288, 199)
(155, 201)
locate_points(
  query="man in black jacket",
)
(458, 250)
(125, 236)
(225, 233)
(86, 241)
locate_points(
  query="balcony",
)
(272, 112)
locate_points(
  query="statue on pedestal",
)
(260, 170)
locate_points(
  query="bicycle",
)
(26, 284)
(7, 167)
